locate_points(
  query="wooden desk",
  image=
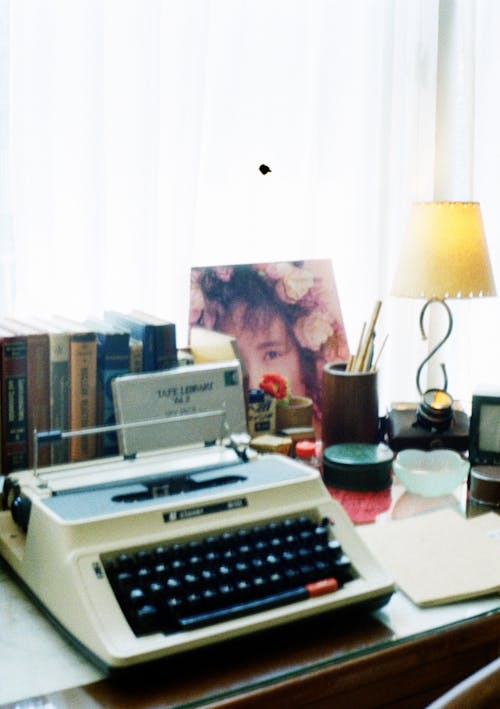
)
(401, 654)
(360, 663)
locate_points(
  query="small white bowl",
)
(430, 473)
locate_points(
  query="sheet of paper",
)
(439, 557)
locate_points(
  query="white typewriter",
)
(158, 552)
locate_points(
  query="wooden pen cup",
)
(349, 403)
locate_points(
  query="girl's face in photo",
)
(266, 349)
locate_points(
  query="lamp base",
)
(405, 432)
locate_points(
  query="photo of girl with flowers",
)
(300, 294)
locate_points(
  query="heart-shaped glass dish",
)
(430, 473)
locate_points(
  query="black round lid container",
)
(358, 466)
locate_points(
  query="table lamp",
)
(444, 255)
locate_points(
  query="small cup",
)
(349, 403)
(297, 412)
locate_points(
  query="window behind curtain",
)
(136, 129)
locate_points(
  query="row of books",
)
(56, 374)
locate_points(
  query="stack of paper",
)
(439, 557)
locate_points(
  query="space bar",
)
(244, 608)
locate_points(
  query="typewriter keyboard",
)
(181, 586)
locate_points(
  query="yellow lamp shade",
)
(444, 254)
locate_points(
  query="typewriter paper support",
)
(48, 437)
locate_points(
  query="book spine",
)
(59, 393)
(138, 331)
(83, 393)
(165, 346)
(38, 394)
(148, 349)
(113, 360)
(14, 405)
(135, 356)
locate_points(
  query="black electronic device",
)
(484, 447)
(484, 435)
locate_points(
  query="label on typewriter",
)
(179, 407)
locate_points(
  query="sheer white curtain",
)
(134, 130)
(466, 168)
(461, 101)
(483, 328)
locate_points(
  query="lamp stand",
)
(434, 423)
(439, 344)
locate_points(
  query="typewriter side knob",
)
(18, 504)
(20, 509)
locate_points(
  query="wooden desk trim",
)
(411, 673)
(408, 675)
